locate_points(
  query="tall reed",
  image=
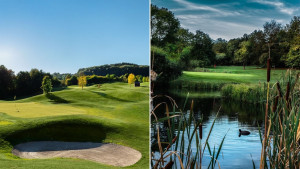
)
(178, 151)
(281, 141)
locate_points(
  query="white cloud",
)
(229, 20)
(216, 28)
(192, 6)
(279, 5)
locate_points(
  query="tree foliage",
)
(164, 26)
(202, 50)
(131, 78)
(23, 83)
(185, 50)
(6, 82)
(242, 54)
(292, 59)
(82, 81)
(46, 85)
(165, 68)
(71, 81)
(116, 69)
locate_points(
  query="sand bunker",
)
(110, 154)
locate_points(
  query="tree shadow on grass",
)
(56, 99)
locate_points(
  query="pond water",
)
(237, 152)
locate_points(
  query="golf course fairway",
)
(114, 113)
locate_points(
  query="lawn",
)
(114, 113)
(230, 74)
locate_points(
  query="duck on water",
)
(243, 132)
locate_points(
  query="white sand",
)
(110, 154)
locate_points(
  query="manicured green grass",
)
(35, 109)
(216, 78)
(232, 74)
(114, 113)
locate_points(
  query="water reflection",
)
(236, 151)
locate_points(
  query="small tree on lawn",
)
(46, 85)
(242, 54)
(82, 81)
(131, 79)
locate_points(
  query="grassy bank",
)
(233, 81)
(245, 93)
(114, 113)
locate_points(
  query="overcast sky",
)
(229, 19)
(65, 35)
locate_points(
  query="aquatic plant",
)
(178, 151)
(245, 93)
(281, 141)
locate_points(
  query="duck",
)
(244, 132)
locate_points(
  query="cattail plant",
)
(263, 154)
(200, 131)
(282, 147)
(275, 103)
(279, 89)
(268, 70)
(179, 151)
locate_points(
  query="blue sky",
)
(65, 35)
(229, 19)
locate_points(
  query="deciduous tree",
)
(292, 59)
(242, 55)
(46, 85)
(82, 81)
(164, 26)
(6, 82)
(131, 79)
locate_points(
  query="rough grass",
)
(115, 113)
(243, 92)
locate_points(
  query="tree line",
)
(36, 81)
(118, 69)
(23, 83)
(176, 48)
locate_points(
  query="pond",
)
(237, 151)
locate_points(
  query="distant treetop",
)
(118, 69)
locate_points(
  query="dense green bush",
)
(166, 69)
(94, 79)
(71, 81)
